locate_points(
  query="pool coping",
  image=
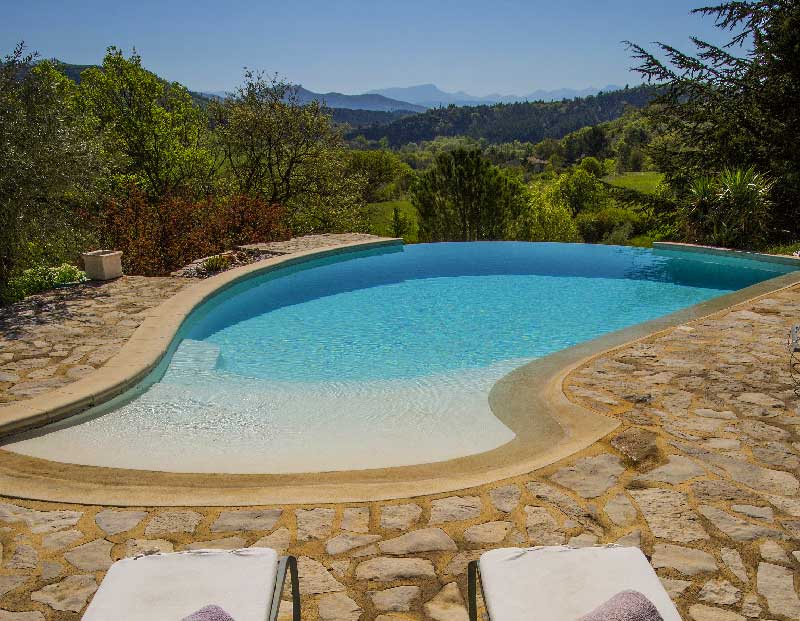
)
(782, 259)
(530, 400)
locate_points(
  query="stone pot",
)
(102, 264)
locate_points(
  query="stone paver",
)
(669, 515)
(173, 522)
(448, 605)
(776, 584)
(386, 569)
(591, 476)
(620, 510)
(349, 541)
(279, 540)
(71, 594)
(113, 522)
(246, 520)
(396, 599)
(422, 540)
(314, 523)
(400, 517)
(505, 498)
(454, 509)
(702, 474)
(92, 556)
(688, 561)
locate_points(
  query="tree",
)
(727, 109)
(400, 224)
(48, 161)
(384, 173)
(578, 191)
(587, 141)
(592, 166)
(287, 153)
(464, 198)
(541, 220)
(154, 126)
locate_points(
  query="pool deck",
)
(701, 471)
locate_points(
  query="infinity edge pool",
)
(565, 429)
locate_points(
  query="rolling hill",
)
(527, 122)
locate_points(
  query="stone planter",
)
(102, 264)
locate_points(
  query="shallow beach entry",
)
(376, 358)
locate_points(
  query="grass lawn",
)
(381, 218)
(645, 182)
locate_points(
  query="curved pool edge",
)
(530, 400)
(150, 342)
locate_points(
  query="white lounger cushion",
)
(562, 584)
(169, 587)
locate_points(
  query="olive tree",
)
(289, 153)
(154, 127)
(48, 163)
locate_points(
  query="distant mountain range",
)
(400, 99)
(368, 101)
(431, 96)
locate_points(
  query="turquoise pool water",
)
(378, 358)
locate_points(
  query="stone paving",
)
(54, 338)
(702, 475)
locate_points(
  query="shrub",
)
(544, 220)
(731, 209)
(217, 263)
(592, 166)
(608, 225)
(43, 278)
(158, 236)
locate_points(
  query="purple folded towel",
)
(209, 613)
(625, 606)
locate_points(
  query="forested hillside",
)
(367, 118)
(526, 122)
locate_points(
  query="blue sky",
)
(480, 47)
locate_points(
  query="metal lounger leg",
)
(472, 589)
(280, 580)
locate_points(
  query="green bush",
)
(610, 225)
(592, 166)
(544, 220)
(731, 209)
(217, 263)
(43, 278)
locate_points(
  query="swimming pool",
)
(376, 358)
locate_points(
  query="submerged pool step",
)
(193, 357)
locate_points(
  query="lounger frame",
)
(277, 591)
(473, 578)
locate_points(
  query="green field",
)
(645, 182)
(381, 218)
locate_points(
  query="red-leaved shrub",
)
(159, 236)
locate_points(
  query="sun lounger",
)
(560, 583)
(246, 583)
